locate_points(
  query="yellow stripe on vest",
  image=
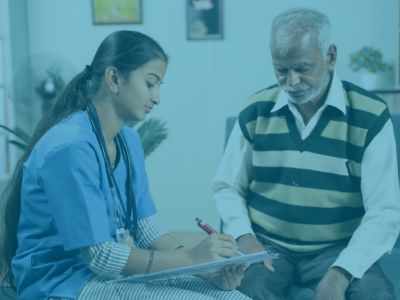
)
(364, 103)
(345, 132)
(273, 125)
(306, 196)
(267, 95)
(251, 128)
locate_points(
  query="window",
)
(7, 153)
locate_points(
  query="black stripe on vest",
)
(303, 214)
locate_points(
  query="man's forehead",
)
(302, 40)
(301, 49)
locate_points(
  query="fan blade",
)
(23, 135)
(18, 144)
(18, 133)
(8, 129)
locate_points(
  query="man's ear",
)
(331, 56)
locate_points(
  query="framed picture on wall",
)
(106, 12)
(204, 19)
(397, 67)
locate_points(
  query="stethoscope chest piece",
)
(122, 236)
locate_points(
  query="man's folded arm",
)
(380, 225)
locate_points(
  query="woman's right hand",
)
(214, 247)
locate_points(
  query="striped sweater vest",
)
(306, 194)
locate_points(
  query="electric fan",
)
(36, 83)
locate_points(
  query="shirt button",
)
(359, 268)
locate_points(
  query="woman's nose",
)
(155, 99)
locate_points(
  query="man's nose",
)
(293, 78)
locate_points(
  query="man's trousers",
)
(307, 270)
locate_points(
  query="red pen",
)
(209, 230)
(205, 227)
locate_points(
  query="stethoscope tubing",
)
(110, 175)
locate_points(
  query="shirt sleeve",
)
(231, 182)
(380, 225)
(149, 231)
(110, 258)
(70, 177)
(107, 258)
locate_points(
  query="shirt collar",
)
(335, 96)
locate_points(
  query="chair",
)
(389, 263)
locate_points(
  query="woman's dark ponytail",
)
(70, 100)
(124, 50)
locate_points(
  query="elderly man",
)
(310, 172)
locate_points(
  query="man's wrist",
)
(344, 273)
(244, 236)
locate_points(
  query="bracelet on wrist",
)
(150, 261)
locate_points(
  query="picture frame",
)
(397, 63)
(204, 19)
(108, 12)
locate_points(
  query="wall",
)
(207, 81)
(14, 21)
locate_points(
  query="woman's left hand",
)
(227, 278)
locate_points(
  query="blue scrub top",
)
(66, 204)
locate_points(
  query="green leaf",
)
(152, 133)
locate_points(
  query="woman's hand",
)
(218, 247)
(227, 278)
(214, 247)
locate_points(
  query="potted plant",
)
(368, 60)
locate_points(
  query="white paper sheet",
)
(202, 268)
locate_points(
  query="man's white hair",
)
(292, 22)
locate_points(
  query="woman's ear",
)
(112, 76)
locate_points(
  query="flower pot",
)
(368, 80)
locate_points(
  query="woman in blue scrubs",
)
(79, 210)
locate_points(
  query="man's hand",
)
(333, 286)
(248, 244)
(227, 278)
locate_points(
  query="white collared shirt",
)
(380, 225)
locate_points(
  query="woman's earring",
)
(114, 88)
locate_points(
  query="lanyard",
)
(94, 119)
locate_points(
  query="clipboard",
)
(202, 268)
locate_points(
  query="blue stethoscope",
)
(122, 234)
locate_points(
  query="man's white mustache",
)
(296, 88)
